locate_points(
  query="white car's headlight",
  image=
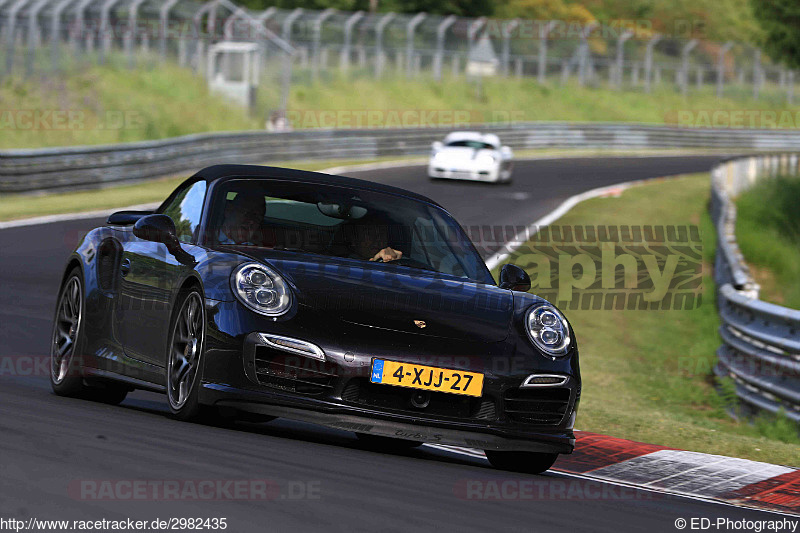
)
(548, 329)
(487, 159)
(261, 289)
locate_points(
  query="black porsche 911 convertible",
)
(265, 292)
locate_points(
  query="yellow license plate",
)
(426, 377)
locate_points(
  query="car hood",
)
(392, 297)
(462, 154)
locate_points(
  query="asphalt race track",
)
(325, 478)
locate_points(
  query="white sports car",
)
(470, 155)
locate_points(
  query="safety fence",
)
(93, 166)
(45, 35)
(761, 341)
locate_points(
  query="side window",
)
(185, 209)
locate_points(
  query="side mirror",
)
(514, 278)
(436, 146)
(161, 228)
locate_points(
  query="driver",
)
(242, 220)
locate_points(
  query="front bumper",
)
(337, 393)
(348, 418)
(463, 173)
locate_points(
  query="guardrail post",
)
(411, 28)
(105, 38)
(379, 29)
(583, 53)
(130, 35)
(315, 56)
(618, 75)
(79, 24)
(11, 30)
(472, 31)
(288, 22)
(756, 73)
(721, 68)
(55, 24)
(438, 58)
(163, 27)
(507, 28)
(685, 51)
(544, 33)
(648, 61)
(33, 34)
(352, 20)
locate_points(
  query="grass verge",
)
(112, 103)
(648, 374)
(768, 233)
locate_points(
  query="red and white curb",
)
(656, 468)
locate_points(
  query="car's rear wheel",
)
(381, 443)
(186, 345)
(66, 373)
(527, 462)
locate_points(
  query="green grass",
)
(768, 233)
(110, 104)
(648, 374)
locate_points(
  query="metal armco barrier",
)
(761, 341)
(93, 166)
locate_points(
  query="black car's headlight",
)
(261, 289)
(548, 329)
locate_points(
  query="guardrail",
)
(761, 341)
(93, 166)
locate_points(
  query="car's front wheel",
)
(527, 462)
(187, 342)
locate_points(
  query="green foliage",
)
(780, 20)
(768, 233)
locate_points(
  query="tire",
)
(389, 444)
(66, 377)
(525, 462)
(184, 357)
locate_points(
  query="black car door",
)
(151, 277)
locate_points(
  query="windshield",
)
(343, 222)
(475, 145)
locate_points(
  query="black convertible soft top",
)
(221, 172)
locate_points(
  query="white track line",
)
(523, 236)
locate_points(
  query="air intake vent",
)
(295, 373)
(546, 406)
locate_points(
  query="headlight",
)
(261, 289)
(548, 329)
(487, 159)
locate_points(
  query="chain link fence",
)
(306, 46)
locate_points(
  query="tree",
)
(780, 20)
